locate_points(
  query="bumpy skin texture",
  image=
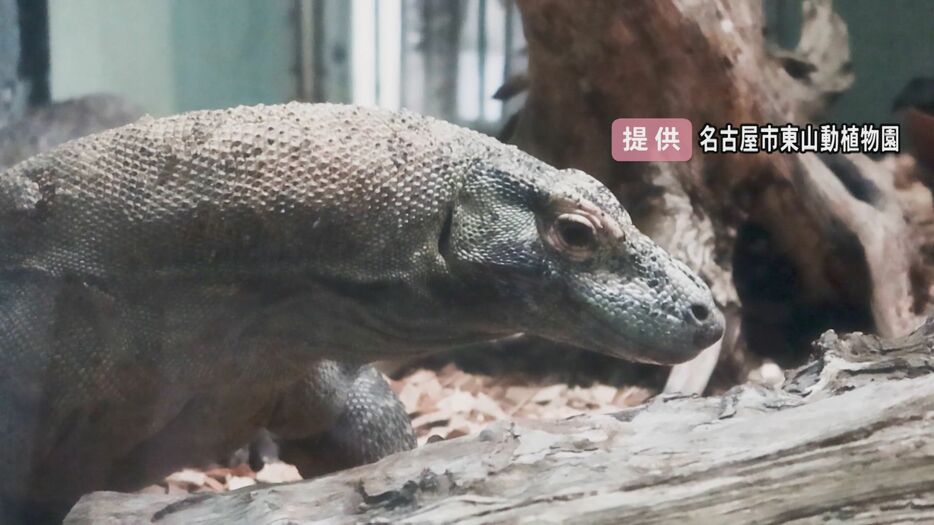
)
(171, 286)
(371, 423)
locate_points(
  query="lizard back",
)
(235, 189)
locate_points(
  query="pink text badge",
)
(652, 139)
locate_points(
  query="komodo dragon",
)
(171, 286)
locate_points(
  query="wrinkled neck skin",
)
(372, 322)
(431, 302)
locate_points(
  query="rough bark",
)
(846, 439)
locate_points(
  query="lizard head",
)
(561, 259)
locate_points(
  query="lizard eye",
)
(573, 234)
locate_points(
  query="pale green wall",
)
(891, 41)
(174, 55)
(233, 52)
(113, 46)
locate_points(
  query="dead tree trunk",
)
(843, 255)
(847, 438)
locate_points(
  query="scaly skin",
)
(171, 286)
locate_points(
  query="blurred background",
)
(444, 58)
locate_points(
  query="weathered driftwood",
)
(843, 250)
(848, 439)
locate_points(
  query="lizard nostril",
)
(707, 326)
(699, 312)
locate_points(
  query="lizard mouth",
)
(606, 337)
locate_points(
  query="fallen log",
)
(847, 438)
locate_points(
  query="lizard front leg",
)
(28, 302)
(340, 416)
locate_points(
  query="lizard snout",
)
(708, 324)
